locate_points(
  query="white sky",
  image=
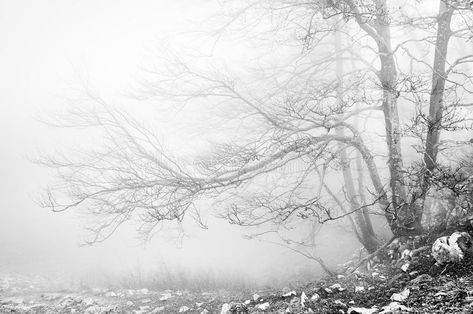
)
(46, 46)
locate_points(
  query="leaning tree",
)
(340, 118)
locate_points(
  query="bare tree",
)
(301, 116)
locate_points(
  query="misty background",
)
(49, 50)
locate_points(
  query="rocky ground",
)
(409, 283)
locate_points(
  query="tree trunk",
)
(361, 187)
(363, 226)
(439, 77)
(362, 220)
(404, 217)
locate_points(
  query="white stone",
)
(263, 306)
(165, 296)
(304, 299)
(315, 297)
(359, 289)
(362, 310)
(401, 296)
(289, 294)
(225, 309)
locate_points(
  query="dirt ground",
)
(409, 284)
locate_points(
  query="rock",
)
(225, 309)
(199, 304)
(88, 301)
(413, 273)
(304, 299)
(402, 296)
(263, 306)
(144, 301)
(184, 309)
(422, 278)
(315, 297)
(144, 291)
(95, 309)
(362, 310)
(256, 297)
(204, 312)
(289, 294)
(165, 296)
(238, 308)
(129, 303)
(67, 301)
(157, 310)
(110, 294)
(406, 254)
(393, 307)
(337, 286)
(359, 289)
(339, 303)
(452, 248)
(50, 296)
(295, 302)
(405, 267)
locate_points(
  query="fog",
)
(139, 99)
(49, 50)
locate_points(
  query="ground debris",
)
(383, 287)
